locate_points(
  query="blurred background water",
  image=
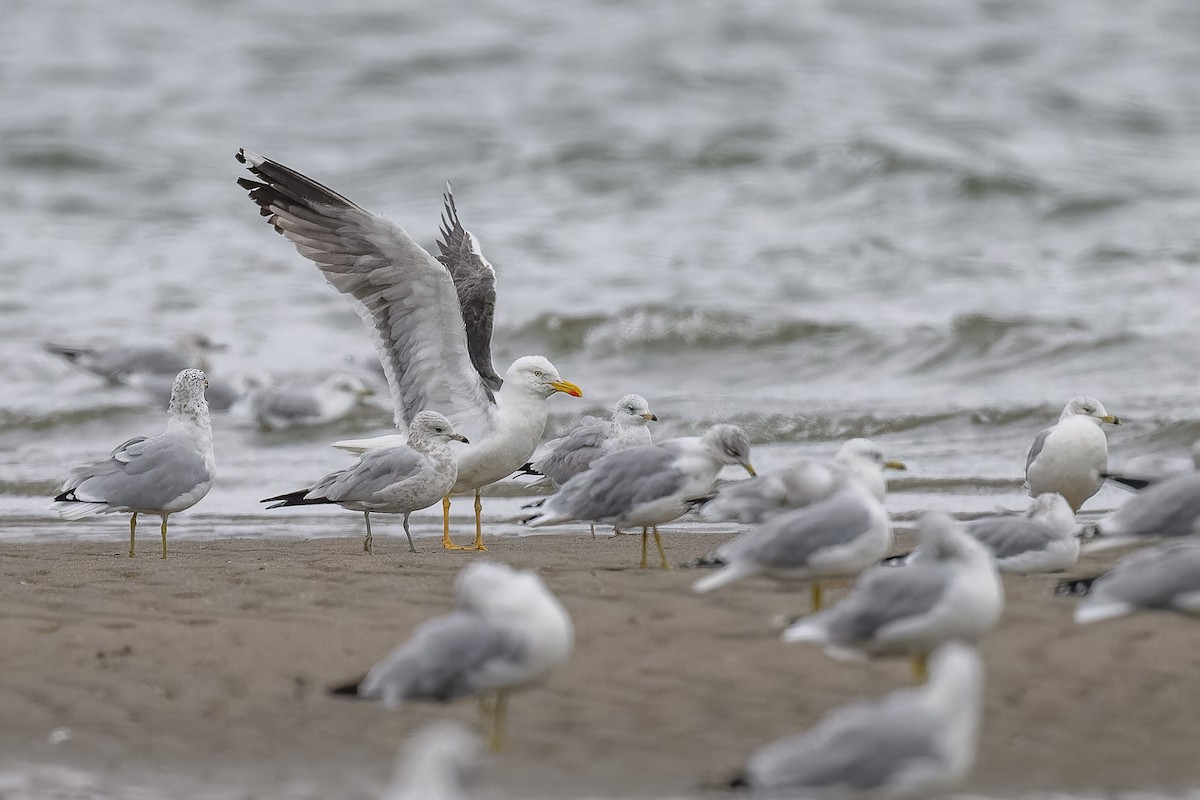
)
(930, 223)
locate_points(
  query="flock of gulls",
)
(463, 426)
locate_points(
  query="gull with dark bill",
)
(394, 480)
(645, 487)
(161, 475)
(507, 633)
(912, 743)
(1070, 457)
(430, 319)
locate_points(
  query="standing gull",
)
(912, 743)
(394, 480)
(647, 486)
(952, 592)
(507, 632)
(1166, 577)
(1070, 456)
(156, 475)
(430, 319)
(801, 484)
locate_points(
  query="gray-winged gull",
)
(647, 486)
(118, 362)
(159, 475)
(801, 484)
(1043, 539)
(1140, 477)
(912, 743)
(1166, 577)
(837, 537)
(507, 632)
(282, 407)
(952, 592)
(394, 480)
(436, 763)
(430, 320)
(1168, 509)
(1070, 456)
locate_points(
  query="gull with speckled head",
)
(952, 592)
(161, 475)
(430, 319)
(394, 480)
(912, 743)
(1070, 457)
(645, 487)
(507, 632)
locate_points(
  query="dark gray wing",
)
(475, 281)
(886, 595)
(1007, 536)
(405, 297)
(376, 471)
(141, 474)
(618, 483)
(575, 452)
(859, 748)
(447, 657)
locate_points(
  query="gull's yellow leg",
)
(132, 532)
(920, 670)
(478, 545)
(164, 535)
(661, 553)
(644, 542)
(499, 713)
(816, 596)
(446, 543)
(367, 541)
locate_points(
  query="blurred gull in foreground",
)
(952, 592)
(646, 486)
(436, 763)
(911, 743)
(801, 484)
(283, 407)
(430, 320)
(1166, 577)
(1070, 456)
(507, 632)
(1168, 509)
(117, 362)
(394, 480)
(159, 475)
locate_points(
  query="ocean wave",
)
(13, 420)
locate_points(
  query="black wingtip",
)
(527, 469)
(346, 690)
(1075, 587)
(738, 781)
(896, 560)
(66, 497)
(1126, 480)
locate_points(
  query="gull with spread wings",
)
(430, 319)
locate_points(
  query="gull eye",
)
(537, 373)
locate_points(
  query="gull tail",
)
(1128, 481)
(1075, 587)
(527, 469)
(295, 498)
(728, 574)
(1095, 612)
(808, 629)
(70, 507)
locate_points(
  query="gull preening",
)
(160, 475)
(1166, 578)
(394, 480)
(645, 487)
(911, 743)
(1070, 457)
(952, 592)
(507, 633)
(430, 320)
(282, 407)
(119, 362)
(804, 483)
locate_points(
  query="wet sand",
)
(211, 669)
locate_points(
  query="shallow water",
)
(930, 224)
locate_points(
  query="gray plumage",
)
(1044, 539)
(333, 398)
(1166, 577)
(1070, 457)
(594, 438)
(117, 362)
(1168, 509)
(159, 475)
(913, 742)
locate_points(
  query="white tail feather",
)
(73, 510)
(809, 629)
(1087, 612)
(727, 574)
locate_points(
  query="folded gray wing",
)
(1152, 578)
(475, 281)
(575, 452)
(1008, 536)
(1035, 449)
(791, 539)
(405, 297)
(376, 471)
(859, 748)
(144, 474)
(618, 483)
(886, 595)
(1168, 508)
(289, 404)
(447, 657)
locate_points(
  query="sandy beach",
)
(211, 668)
